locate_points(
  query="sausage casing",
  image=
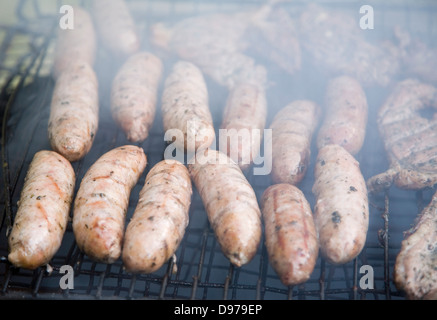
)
(77, 45)
(244, 119)
(341, 211)
(74, 112)
(290, 232)
(185, 107)
(345, 115)
(116, 27)
(102, 201)
(292, 131)
(134, 95)
(230, 203)
(43, 211)
(160, 218)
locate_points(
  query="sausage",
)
(244, 120)
(102, 201)
(134, 95)
(116, 27)
(345, 115)
(160, 218)
(43, 211)
(185, 107)
(290, 233)
(77, 45)
(292, 131)
(74, 112)
(230, 203)
(341, 210)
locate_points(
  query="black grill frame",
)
(202, 271)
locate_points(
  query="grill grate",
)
(200, 271)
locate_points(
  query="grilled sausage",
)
(230, 203)
(341, 209)
(291, 237)
(134, 95)
(74, 112)
(102, 201)
(116, 27)
(185, 107)
(345, 115)
(292, 131)
(77, 45)
(160, 218)
(244, 119)
(43, 211)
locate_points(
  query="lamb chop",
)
(418, 59)
(218, 43)
(335, 44)
(415, 270)
(407, 122)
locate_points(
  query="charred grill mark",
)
(44, 214)
(335, 218)
(94, 179)
(306, 232)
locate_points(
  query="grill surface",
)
(200, 270)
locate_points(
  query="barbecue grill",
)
(198, 270)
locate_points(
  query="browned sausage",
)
(134, 95)
(291, 237)
(77, 45)
(230, 203)
(160, 218)
(74, 112)
(292, 131)
(345, 115)
(185, 107)
(43, 211)
(102, 201)
(116, 27)
(341, 210)
(245, 112)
